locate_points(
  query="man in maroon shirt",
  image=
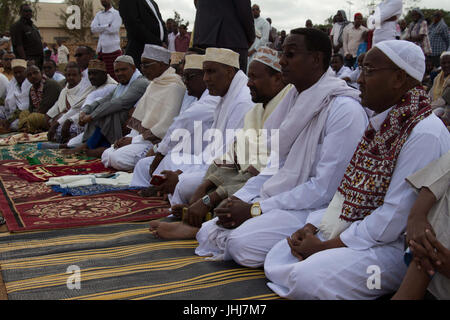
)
(182, 40)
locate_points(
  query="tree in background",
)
(428, 13)
(9, 12)
(178, 20)
(87, 15)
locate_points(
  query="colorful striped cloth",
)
(119, 262)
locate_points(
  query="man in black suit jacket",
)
(225, 24)
(144, 25)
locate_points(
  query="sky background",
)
(288, 14)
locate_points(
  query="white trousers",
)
(125, 158)
(187, 184)
(340, 273)
(141, 174)
(249, 244)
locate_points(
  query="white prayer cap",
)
(269, 57)
(18, 63)
(194, 61)
(406, 55)
(125, 59)
(156, 53)
(225, 56)
(445, 53)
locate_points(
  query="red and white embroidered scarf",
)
(369, 173)
(36, 95)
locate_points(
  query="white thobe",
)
(249, 243)
(17, 98)
(4, 83)
(263, 26)
(374, 243)
(192, 110)
(229, 116)
(344, 72)
(126, 157)
(107, 25)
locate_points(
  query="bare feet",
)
(172, 230)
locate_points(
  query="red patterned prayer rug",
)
(30, 206)
(39, 173)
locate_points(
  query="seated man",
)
(102, 85)
(154, 112)
(428, 228)
(337, 64)
(224, 79)
(17, 98)
(440, 92)
(7, 58)
(335, 255)
(70, 101)
(201, 110)
(49, 68)
(319, 131)
(105, 118)
(43, 95)
(245, 157)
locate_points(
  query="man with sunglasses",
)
(26, 39)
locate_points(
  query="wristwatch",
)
(206, 201)
(255, 210)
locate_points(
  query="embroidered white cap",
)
(18, 63)
(269, 57)
(194, 61)
(125, 59)
(156, 53)
(225, 56)
(406, 55)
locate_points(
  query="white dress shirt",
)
(107, 25)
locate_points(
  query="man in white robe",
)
(68, 106)
(262, 32)
(154, 112)
(246, 156)
(223, 78)
(17, 98)
(359, 237)
(384, 21)
(337, 65)
(320, 127)
(200, 110)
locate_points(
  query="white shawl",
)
(300, 133)
(75, 96)
(160, 104)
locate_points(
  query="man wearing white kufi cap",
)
(104, 119)
(223, 79)
(17, 98)
(201, 109)
(362, 229)
(248, 151)
(154, 112)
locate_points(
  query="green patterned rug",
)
(29, 151)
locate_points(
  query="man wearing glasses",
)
(26, 39)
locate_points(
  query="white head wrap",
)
(156, 53)
(125, 59)
(225, 56)
(406, 55)
(194, 61)
(269, 57)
